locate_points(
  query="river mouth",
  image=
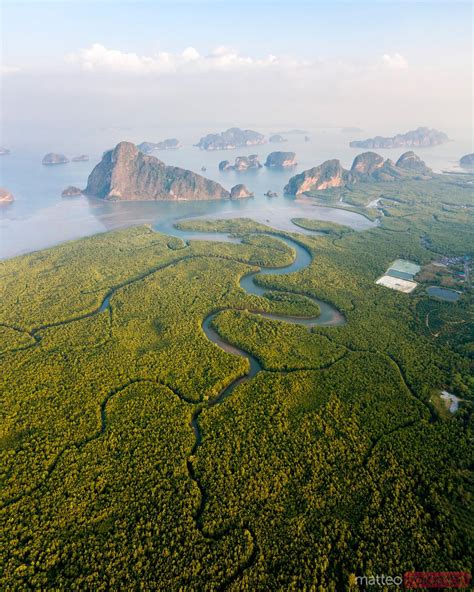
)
(83, 216)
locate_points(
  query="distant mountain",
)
(80, 158)
(242, 163)
(231, 138)
(4, 151)
(52, 158)
(367, 167)
(168, 144)
(420, 137)
(281, 159)
(467, 160)
(125, 173)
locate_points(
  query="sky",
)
(70, 66)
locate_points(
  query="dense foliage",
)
(333, 460)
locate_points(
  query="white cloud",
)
(99, 58)
(394, 61)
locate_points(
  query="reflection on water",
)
(81, 216)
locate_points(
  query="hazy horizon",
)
(74, 69)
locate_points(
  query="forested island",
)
(140, 452)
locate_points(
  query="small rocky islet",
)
(168, 144)
(6, 196)
(240, 191)
(71, 191)
(242, 163)
(52, 159)
(277, 139)
(281, 160)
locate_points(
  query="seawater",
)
(40, 217)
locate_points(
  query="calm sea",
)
(40, 217)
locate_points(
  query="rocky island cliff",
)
(366, 167)
(242, 163)
(125, 173)
(422, 136)
(281, 159)
(234, 137)
(71, 191)
(240, 192)
(328, 174)
(411, 162)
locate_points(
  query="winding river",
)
(329, 316)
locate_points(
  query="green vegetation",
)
(330, 228)
(334, 459)
(277, 345)
(294, 304)
(442, 208)
(235, 226)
